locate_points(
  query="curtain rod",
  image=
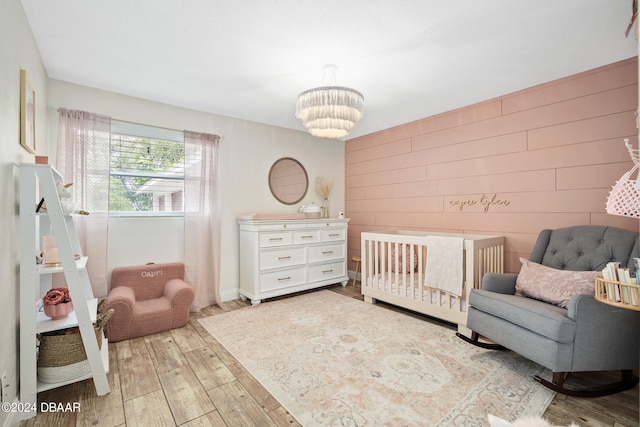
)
(147, 125)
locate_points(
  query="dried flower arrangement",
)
(323, 186)
(56, 296)
(57, 303)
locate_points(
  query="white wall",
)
(19, 51)
(140, 240)
(247, 151)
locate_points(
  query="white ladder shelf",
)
(40, 181)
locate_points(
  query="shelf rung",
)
(81, 264)
(46, 324)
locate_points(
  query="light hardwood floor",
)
(185, 377)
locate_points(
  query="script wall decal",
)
(484, 201)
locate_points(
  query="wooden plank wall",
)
(544, 157)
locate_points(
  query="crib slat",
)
(411, 272)
(395, 273)
(420, 272)
(402, 267)
(369, 262)
(376, 255)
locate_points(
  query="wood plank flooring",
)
(185, 377)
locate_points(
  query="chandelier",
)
(329, 111)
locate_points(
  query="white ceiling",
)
(249, 59)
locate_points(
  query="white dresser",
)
(282, 257)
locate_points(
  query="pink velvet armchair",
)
(148, 299)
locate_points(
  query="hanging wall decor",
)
(27, 113)
(624, 198)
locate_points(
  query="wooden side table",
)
(357, 260)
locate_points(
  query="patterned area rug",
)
(331, 360)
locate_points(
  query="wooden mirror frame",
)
(288, 181)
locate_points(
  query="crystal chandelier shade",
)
(330, 111)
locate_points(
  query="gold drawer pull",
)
(327, 252)
(273, 239)
(282, 279)
(334, 235)
(327, 271)
(280, 258)
(307, 237)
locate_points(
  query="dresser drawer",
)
(302, 237)
(281, 226)
(281, 258)
(275, 239)
(326, 252)
(283, 279)
(326, 271)
(333, 234)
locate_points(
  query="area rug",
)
(331, 360)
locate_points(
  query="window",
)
(146, 170)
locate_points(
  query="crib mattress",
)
(382, 282)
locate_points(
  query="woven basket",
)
(61, 357)
(624, 199)
(619, 294)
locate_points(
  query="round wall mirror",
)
(288, 181)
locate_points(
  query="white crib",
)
(394, 271)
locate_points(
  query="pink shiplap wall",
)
(546, 157)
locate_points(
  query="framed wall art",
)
(27, 113)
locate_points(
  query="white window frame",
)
(119, 127)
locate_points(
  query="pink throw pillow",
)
(409, 266)
(552, 285)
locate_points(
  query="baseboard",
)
(350, 274)
(229, 295)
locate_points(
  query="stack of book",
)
(621, 285)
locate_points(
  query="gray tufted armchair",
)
(587, 335)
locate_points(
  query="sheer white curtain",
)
(202, 217)
(83, 158)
